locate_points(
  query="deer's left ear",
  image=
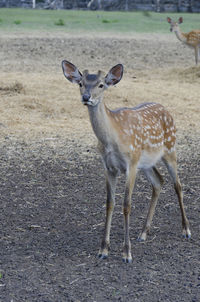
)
(115, 74)
(71, 72)
(169, 20)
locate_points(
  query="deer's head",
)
(174, 25)
(92, 86)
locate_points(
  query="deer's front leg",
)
(131, 174)
(111, 179)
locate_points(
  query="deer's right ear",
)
(169, 20)
(71, 72)
(180, 20)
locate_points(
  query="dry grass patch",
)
(37, 101)
(46, 104)
(13, 88)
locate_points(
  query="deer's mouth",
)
(85, 103)
(90, 102)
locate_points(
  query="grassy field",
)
(90, 21)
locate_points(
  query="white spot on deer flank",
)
(126, 131)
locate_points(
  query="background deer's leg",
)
(156, 180)
(131, 175)
(171, 164)
(196, 49)
(111, 179)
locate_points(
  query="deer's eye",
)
(80, 84)
(101, 86)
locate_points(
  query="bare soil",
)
(52, 187)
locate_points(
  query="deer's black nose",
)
(86, 97)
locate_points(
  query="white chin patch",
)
(92, 102)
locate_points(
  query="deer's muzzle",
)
(85, 98)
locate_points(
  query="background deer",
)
(128, 139)
(192, 39)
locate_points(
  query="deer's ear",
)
(115, 74)
(71, 72)
(169, 20)
(180, 20)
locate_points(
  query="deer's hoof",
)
(127, 259)
(103, 254)
(140, 239)
(186, 233)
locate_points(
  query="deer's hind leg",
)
(171, 164)
(156, 180)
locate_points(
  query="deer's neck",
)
(180, 35)
(100, 120)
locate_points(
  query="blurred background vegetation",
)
(76, 21)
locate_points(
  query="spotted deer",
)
(128, 139)
(191, 39)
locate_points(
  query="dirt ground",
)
(52, 187)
